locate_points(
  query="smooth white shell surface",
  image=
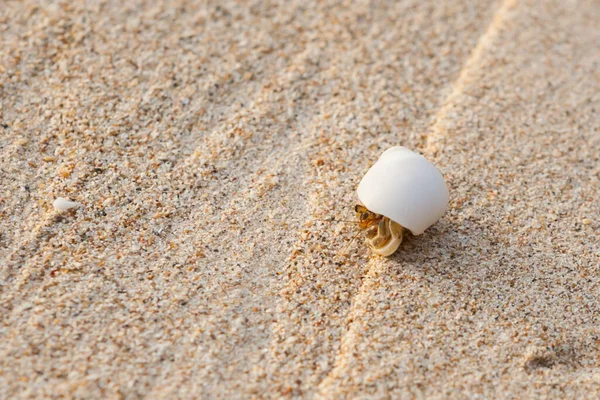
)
(406, 188)
(63, 204)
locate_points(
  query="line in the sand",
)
(375, 267)
(458, 86)
(33, 239)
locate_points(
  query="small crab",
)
(383, 235)
(402, 190)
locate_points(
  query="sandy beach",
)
(214, 149)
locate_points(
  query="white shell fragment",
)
(406, 188)
(63, 204)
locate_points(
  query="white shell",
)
(406, 188)
(63, 204)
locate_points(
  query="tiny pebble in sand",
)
(63, 204)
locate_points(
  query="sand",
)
(210, 146)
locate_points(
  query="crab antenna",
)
(345, 252)
(335, 220)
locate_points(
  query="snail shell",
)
(406, 188)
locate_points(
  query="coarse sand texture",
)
(174, 177)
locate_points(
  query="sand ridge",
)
(211, 145)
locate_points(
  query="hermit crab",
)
(401, 190)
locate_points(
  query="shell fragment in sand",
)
(63, 204)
